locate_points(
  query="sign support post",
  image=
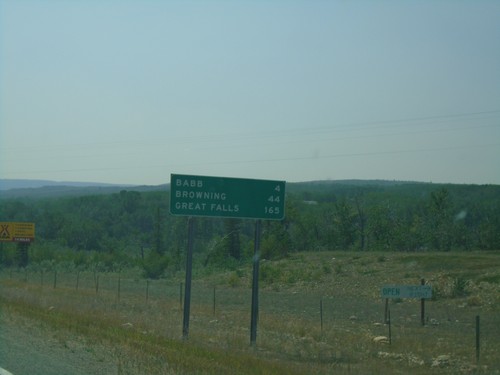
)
(189, 268)
(23, 253)
(255, 285)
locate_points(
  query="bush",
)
(459, 287)
(154, 265)
(269, 274)
(474, 301)
(234, 280)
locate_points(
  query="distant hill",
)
(8, 184)
(34, 189)
(325, 190)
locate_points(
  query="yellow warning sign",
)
(17, 232)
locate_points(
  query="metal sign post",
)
(189, 268)
(422, 305)
(255, 285)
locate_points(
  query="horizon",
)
(20, 184)
(128, 93)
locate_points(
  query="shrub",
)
(474, 301)
(327, 269)
(269, 273)
(381, 258)
(154, 265)
(234, 280)
(459, 287)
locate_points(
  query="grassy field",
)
(319, 313)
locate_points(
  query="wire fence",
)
(315, 312)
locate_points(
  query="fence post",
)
(422, 305)
(321, 313)
(214, 300)
(389, 322)
(386, 310)
(180, 294)
(477, 338)
(119, 284)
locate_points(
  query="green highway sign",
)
(227, 197)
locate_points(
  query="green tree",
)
(361, 220)
(154, 265)
(440, 220)
(231, 241)
(381, 228)
(275, 242)
(344, 227)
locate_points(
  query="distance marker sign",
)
(227, 197)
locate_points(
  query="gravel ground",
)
(29, 348)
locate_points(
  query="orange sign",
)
(17, 232)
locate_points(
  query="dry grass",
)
(145, 335)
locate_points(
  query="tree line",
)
(136, 228)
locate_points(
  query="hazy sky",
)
(131, 91)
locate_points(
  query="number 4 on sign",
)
(277, 188)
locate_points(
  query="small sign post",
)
(422, 304)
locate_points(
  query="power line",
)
(342, 155)
(236, 140)
(280, 133)
(267, 160)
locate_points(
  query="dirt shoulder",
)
(31, 348)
